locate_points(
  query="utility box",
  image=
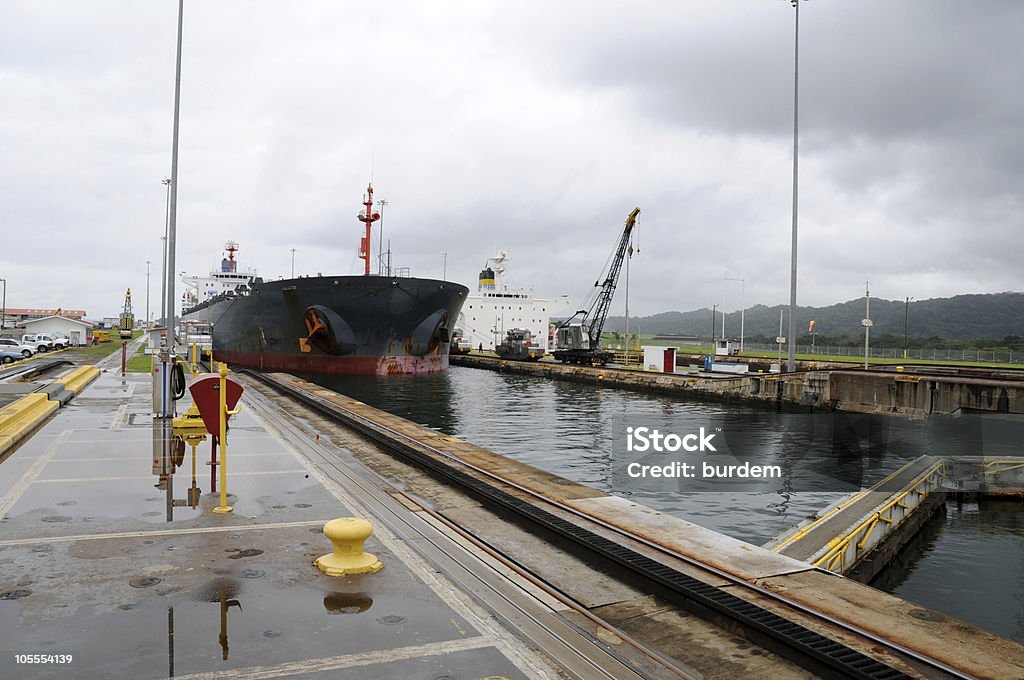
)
(205, 391)
(660, 359)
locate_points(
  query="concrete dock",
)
(847, 390)
(105, 560)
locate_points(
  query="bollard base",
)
(223, 509)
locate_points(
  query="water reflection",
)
(347, 603)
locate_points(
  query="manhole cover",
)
(14, 594)
(145, 582)
(391, 620)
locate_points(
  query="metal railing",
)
(966, 355)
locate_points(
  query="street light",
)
(867, 322)
(791, 362)
(743, 307)
(3, 315)
(147, 294)
(380, 249)
(906, 318)
(163, 272)
(293, 263)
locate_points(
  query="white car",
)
(12, 345)
(55, 340)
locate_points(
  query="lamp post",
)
(380, 250)
(743, 306)
(173, 208)
(791, 362)
(163, 272)
(147, 294)
(906, 319)
(867, 322)
(444, 266)
(714, 318)
(293, 263)
(3, 315)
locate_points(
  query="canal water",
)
(968, 564)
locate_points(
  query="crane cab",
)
(574, 336)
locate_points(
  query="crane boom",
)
(604, 300)
(580, 342)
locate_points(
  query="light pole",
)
(906, 319)
(867, 322)
(173, 209)
(3, 315)
(293, 263)
(147, 294)
(380, 249)
(791, 362)
(163, 272)
(444, 266)
(743, 306)
(714, 318)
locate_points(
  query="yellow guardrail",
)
(838, 559)
(806, 529)
(76, 380)
(21, 417)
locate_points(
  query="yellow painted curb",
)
(76, 380)
(21, 417)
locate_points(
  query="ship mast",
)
(367, 217)
(232, 248)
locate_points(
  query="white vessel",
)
(225, 281)
(497, 307)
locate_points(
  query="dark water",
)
(576, 430)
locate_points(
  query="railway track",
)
(808, 648)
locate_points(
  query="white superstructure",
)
(497, 307)
(226, 279)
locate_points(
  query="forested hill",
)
(963, 317)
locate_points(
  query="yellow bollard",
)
(224, 413)
(348, 535)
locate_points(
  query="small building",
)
(15, 317)
(659, 359)
(726, 346)
(78, 332)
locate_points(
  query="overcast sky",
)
(534, 127)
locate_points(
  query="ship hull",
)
(341, 325)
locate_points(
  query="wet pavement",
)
(102, 557)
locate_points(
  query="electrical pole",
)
(867, 322)
(791, 363)
(906, 319)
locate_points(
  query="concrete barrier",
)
(18, 419)
(76, 380)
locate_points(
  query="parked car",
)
(12, 345)
(41, 345)
(10, 357)
(55, 340)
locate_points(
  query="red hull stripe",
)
(331, 365)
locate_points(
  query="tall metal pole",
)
(867, 320)
(163, 272)
(3, 315)
(380, 250)
(147, 294)
(173, 210)
(714, 318)
(906, 320)
(628, 258)
(791, 362)
(293, 263)
(444, 266)
(743, 305)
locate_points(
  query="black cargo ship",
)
(370, 324)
